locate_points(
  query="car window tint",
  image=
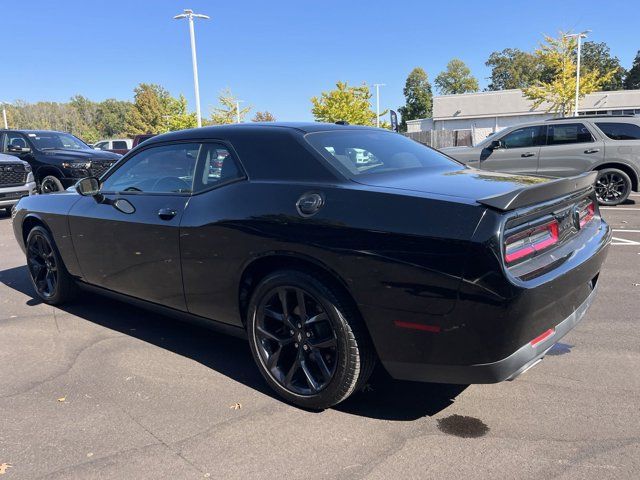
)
(522, 138)
(119, 145)
(15, 139)
(162, 169)
(216, 165)
(568, 133)
(620, 131)
(357, 152)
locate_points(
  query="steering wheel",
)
(170, 184)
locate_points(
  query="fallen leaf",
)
(236, 406)
(62, 399)
(3, 467)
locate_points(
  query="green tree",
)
(419, 97)
(345, 103)
(456, 78)
(148, 110)
(558, 56)
(176, 115)
(263, 117)
(632, 79)
(597, 57)
(512, 68)
(111, 117)
(226, 111)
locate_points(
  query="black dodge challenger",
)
(330, 247)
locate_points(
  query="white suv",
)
(16, 181)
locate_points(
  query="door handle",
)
(167, 213)
(528, 154)
(592, 150)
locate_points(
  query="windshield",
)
(358, 152)
(55, 140)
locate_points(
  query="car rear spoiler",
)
(540, 192)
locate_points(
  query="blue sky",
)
(276, 55)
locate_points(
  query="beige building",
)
(487, 112)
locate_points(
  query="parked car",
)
(58, 159)
(442, 272)
(565, 147)
(16, 181)
(115, 145)
(138, 139)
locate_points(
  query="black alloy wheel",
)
(51, 280)
(308, 339)
(296, 340)
(50, 184)
(42, 264)
(613, 186)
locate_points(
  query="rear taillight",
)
(524, 244)
(586, 213)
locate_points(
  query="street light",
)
(4, 114)
(188, 14)
(579, 36)
(238, 110)
(378, 85)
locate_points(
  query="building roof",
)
(513, 102)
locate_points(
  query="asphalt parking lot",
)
(101, 389)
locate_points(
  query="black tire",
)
(49, 277)
(50, 184)
(613, 186)
(337, 339)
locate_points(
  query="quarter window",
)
(119, 145)
(620, 131)
(565, 133)
(522, 138)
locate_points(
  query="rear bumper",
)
(506, 369)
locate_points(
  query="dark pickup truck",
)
(58, 159)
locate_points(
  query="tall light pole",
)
(188, 14)
(378, 85)
(579, 36)
(238, 110)
(4, 115)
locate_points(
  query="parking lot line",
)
(623, 241)
(626, 231)
(620, 209)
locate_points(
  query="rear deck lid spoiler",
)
(540, 192)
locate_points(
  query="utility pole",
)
(4, 115)
(188, 14)
(378, 85)
(579, 36)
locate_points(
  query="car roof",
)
(579, 118)
(31, 131)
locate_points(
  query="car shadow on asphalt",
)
(382, 398)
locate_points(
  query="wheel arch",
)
(259, 267)
(628, 169)
(30, 221)
(45, 170)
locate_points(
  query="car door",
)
(515, 152)
(127, 238)
(571, 148)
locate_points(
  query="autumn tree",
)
(456, 78)
(111, 117)
(263, 117)
(148, 110)
(226, 111)
(419, 97)
(632, 79)
(345, 103)
(558, 55)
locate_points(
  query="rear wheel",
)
(308, 341)
(613, 186)
(50, 184)
(49, 277)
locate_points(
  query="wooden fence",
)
(442, 138)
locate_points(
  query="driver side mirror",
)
(18, 149)
(496, 145)
(88, 187)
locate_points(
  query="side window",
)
(522, 138)
(101, 145)
(162, 169)
(620, 131)
(119, 145)
(565, 133)
(15, 139)
(216, 165)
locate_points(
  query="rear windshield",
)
(355, 152)
(619, 130)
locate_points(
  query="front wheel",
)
(613, 186)
(307, 339)
(50, 184)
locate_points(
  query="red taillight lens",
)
(522, 245)
(586, 213)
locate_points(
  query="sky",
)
(275, 55)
